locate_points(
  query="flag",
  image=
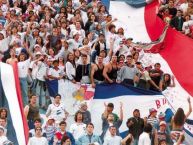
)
(131, 97)
(172, 49)
(10, 98)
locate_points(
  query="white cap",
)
(75, 33)
(37, 45)
(38, 53)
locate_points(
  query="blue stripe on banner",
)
(189, 121)
(52, 87)
(115, 90)
(11, 134)
(190, 134)
(136, 3)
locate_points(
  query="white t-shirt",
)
(70, 70)
(144, 139)
(38, 141)
(78, 129)
(54, 73)
(186, 26)
(34, 66)
(18, 50)
(57, 112)
(42, 71)
(73, 44)
(184, 7)
(3, 139)
(23, 67)
(112, 140)
(109, 37)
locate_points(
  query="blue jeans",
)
(41, 92)
(93, 56)
(24, 90)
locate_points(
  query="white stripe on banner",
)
(8, 83)
(131, 19)
(130, 102)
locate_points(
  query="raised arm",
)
(173, 82)
(93, 69)
(190, 108)
(129, 136)
(105, 113)
(26, 110)
(121, 111)
(105, 73)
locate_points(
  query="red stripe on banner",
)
(18, 91)
(177, 50)
(178, 53)
(154, 24)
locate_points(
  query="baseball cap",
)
(38, 53)
(152, 110)
(37, 45)
(161, 115)
(162, 123)
(130, 38)
(51, 118)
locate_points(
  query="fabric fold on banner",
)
(10, 100)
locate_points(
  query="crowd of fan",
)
(179, 14)
(76, 41)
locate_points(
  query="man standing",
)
(177, 21)
(156, 75)
(128, 73)
(110, 70)
(96, 76)
(135, 125)
(110, 121)
(31, 111)
(144, 138)
(78, 128)
(113, 139)
(61, 133)
(86, 114)
(89, 138)
(83, 71)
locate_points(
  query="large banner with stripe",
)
(10, 98)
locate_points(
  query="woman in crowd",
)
(178, 121)
(166, 81)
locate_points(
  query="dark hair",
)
(157, 64)
(42, 41)
(73, 61)
(147, 128)
(111, 105)
(90, 124)
(31, 96)
(3, 109)
(38, 128)
(138, 63)
(84, 55)
(55, 61)
(57, 96)
(111, 27)
(62, 122)
(38, 120)
(64, 138)
(76, 116)
(112, 127)
(129, 56)
(179, 117)
(168, 82)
